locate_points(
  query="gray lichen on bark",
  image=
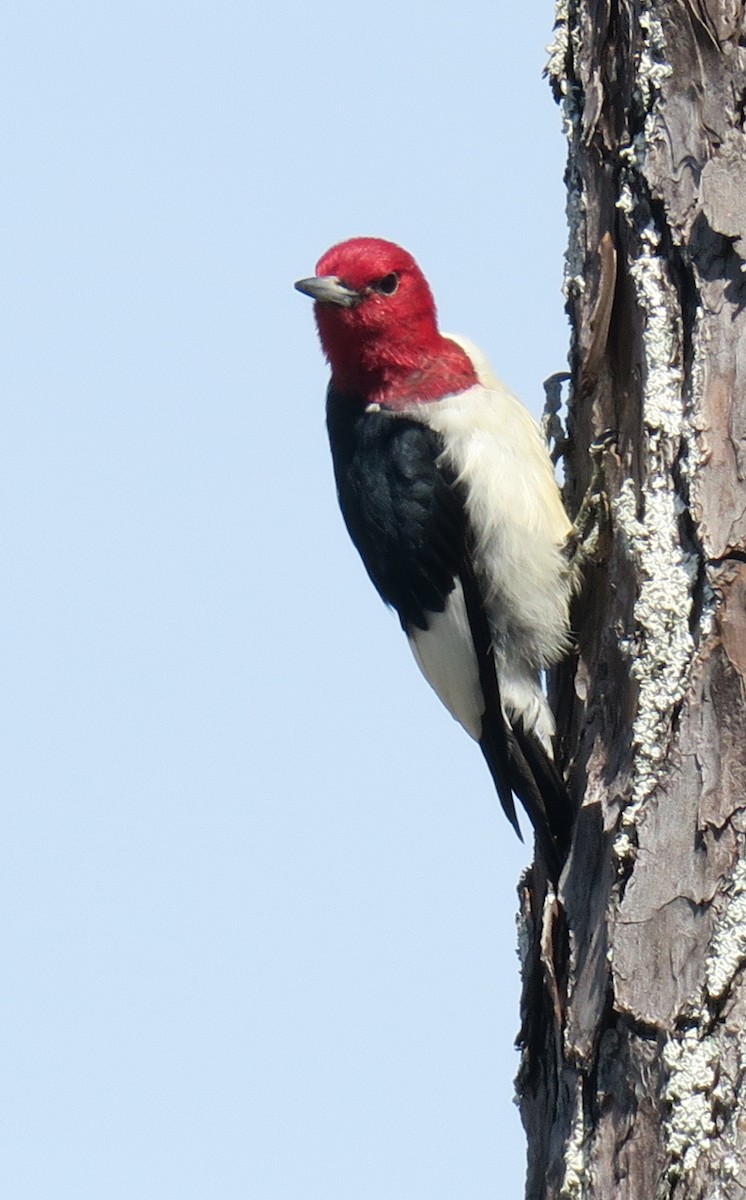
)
(634, 1037)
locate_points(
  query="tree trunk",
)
(633, 1075)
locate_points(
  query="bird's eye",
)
(388, 284)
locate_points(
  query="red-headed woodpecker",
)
(448, 492)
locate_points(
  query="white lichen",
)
(663, 410)
(691, 1061)
(727, 952)
(661, 648)
(626, 200)
(574, 1179)
(698, 1087)
(653, 67)
(652, 70)
(698, 1092)
(558, 47)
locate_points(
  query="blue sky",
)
(258, 894)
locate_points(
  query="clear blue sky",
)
(257, 892)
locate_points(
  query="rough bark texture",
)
(633, 1077)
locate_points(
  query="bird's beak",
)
(327, 289)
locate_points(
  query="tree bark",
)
(633, 1075)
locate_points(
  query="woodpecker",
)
(448, 492)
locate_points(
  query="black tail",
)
(532, 776)
(535, 771)
(518, 762)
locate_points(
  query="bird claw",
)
(590, 537)
(551, 422)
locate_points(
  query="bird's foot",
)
(551, 422)
(589, 539)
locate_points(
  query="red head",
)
(378, 326)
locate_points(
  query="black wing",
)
(399, 508)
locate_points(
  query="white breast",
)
(496, 451)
